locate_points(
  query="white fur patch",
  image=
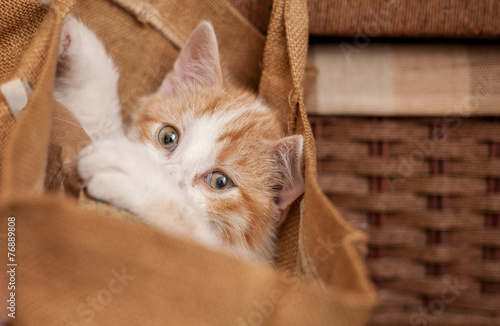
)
(87, 81)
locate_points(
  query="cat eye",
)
(219, 181)
(168, 138)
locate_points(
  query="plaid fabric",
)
(406, 79)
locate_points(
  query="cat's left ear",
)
(287, 153)
(198, 64)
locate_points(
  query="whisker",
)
(71, 123)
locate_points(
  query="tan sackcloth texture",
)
(24, 157)
(139, 275)
(66, 142)
(166, 280)
(407, 79)
(276, 76)
(16, 31)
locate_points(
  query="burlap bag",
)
(79, 262)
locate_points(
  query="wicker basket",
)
(427, 190)
(414, 18)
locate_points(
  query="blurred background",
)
(404, 100)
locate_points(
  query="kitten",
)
(201, 159)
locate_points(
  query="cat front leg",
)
(87, 80)
(123, 173)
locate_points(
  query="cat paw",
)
(64, 46)
(69, 33)
(124, 174)
(77, 46)
(116, 171)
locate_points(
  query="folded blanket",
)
(406, 79)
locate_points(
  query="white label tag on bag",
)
(16, 93)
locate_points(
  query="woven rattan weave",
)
(427, 190)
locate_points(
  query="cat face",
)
(223, 146)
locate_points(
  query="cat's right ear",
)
(287, 154)
(198, 64)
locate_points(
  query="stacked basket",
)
(426, 187)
